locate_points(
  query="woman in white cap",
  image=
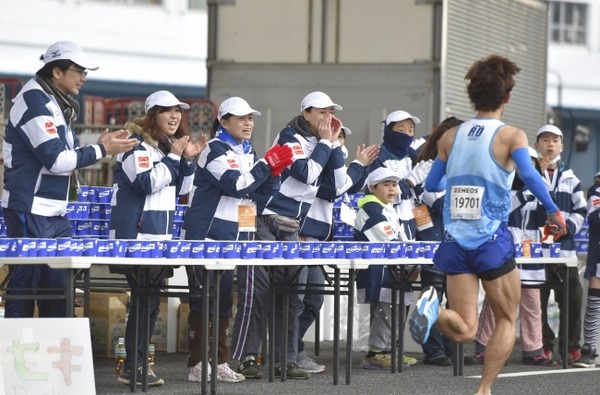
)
(311, 136)
(229, 173)
(147, 181)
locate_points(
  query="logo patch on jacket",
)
(144, 162)
(297, 150)
(388, 230)
(595, 202)
(233, 164)
(50, 128)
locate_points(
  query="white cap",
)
(347, 131)
(550, 129)
(163, 99)
(318, 100)
(533, 153)
(68, 50)
(382, 174)
(398, 116)
(597, 175)
(235, 106)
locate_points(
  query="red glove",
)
(278, 158)
(555, 226)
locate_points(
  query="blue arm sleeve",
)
(435, 181)
(532, 179)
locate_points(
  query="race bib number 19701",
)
(465, 202)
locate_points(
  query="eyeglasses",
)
(82, 72)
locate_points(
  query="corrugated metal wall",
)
(515, 29)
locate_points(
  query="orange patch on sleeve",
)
(233, 164)
(143, 162)
(595, 202)
(388, 230)
(50, 128)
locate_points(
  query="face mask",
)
(344, 152)
(555, 160)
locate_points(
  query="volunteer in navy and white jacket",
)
(317, 226)
(40, 154)
(147, 181)
(398, 135)
(229, 173)
(311, 135)
(565, 189)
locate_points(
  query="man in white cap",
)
(565, 189)
(40, 154)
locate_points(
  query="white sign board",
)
(46, 356)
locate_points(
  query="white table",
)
(73, 264)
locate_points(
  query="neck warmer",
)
(223, 135)
(68, 105)
(300, 125)
(395, 142)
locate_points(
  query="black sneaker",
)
(151, 379)
(587, 358)
(441, 360)
(293, 372)
(249, 368)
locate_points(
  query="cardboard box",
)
(182, 327)
(108, 313)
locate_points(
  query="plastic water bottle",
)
(151, 352)
(1, 309)
(120, 355)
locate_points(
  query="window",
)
(197, 4)
(568, 23)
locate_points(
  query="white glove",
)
(419, 172)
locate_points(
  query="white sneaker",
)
(310, 366)
(224, 373)
(196, 373)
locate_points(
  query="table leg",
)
(70, 292)
(205, 320)
(136, 325)
(271, 354)
(394, 318)
(215, 329)
(336, 327)
(401, 320)
(564, 319)
(350, 325)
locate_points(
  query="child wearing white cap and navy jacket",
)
(566, 192)
(377, 220)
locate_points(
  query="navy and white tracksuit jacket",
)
(225, 175)
(301, 180)
(147, 181)
(375, 221)
(524, 222)
(405, 202)
(337, 180)
(40, 154)
(565, 190)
